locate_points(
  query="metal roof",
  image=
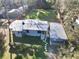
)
(18, 11)
(77, 21)
(29, 24)
(57, 31)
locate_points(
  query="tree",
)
(72, 12)
(66, 10)
(2, 42)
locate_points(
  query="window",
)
(39, 31)
(27, 31)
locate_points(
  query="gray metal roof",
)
(18, 11)
(57, 31)
(29, 24)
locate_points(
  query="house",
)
(29, 27)
(52, 30)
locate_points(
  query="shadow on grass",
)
(1, 55)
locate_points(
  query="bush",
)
(18, 57)
(37, 14)
(2, 42)
(46, 15)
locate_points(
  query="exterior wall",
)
(42, 36)
(35, 33)
(18, 34)
(57, 41)
(30, 33)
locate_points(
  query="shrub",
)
(18, 57)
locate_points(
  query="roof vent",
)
(23, 23)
